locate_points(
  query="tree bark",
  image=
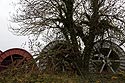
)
(90, 38)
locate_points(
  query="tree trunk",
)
(90, 39)
(88, 53)
(73, 37)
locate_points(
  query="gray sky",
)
(7, 39)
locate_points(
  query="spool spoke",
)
(12, 59)
(102, 67)
(99, 53)
(111, 68)
(3, 66)
(20, 61)
(117, 61)
(109, 53)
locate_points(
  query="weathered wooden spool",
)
(108, 56)
(15, 55)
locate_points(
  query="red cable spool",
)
(12, 55)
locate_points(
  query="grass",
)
(20, 76)
(34, 75)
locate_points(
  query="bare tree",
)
(89, 20)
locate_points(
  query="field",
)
(33, 75)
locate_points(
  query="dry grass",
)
(33, 75)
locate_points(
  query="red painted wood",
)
(1, 52)
(14, 51)
(17, 51)
(0, 55)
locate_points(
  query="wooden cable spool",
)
(15, 55)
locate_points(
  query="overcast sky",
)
(7, 39)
